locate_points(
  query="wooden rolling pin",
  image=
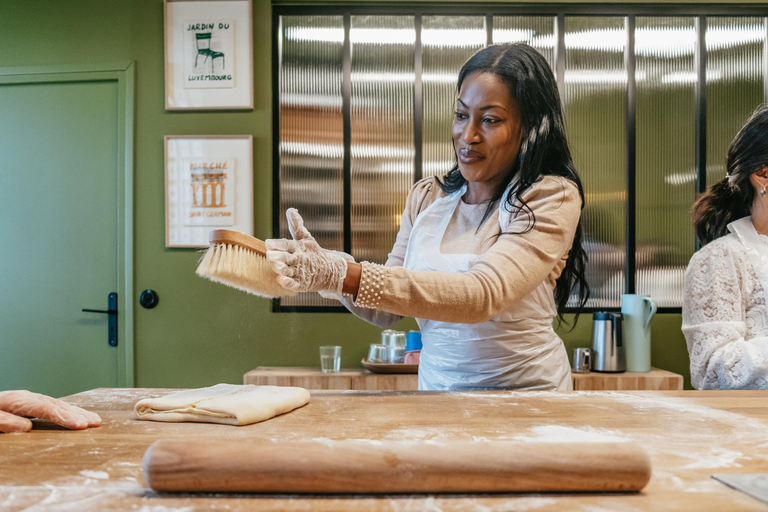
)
(357, 466)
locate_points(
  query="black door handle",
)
(112, 312)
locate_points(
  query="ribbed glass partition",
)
(390, 74)
(595, 97)
(447, 42)
(382, 145)
(311, 132)
(537, 31)
(734, 83)
(666, 144)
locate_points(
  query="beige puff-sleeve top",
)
(510, 266)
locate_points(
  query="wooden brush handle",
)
(394, 466)
(229, 237)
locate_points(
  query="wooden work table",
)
(689, 435)
(362, 379)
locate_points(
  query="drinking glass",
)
(385, 335)
(378, 354)
(398, 339)
(330, 358)
(396, 354)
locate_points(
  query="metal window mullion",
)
(701, 104)
(631, 162)
(418, 99)
(346, 107)
(765, 60)
(700, 59)
(560, 55)
(488, 29)
(277, 65)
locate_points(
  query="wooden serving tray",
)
(390, 367)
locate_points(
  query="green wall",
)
(202, 333)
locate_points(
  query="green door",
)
(61, 167)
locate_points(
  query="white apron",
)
(516, 350)
(756, 250)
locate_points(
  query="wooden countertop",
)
(362, 379)
(688, 434)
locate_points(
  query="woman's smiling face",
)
(487, 129)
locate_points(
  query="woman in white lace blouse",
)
(725, 320)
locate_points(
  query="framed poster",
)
(208, 55)
(208, 185)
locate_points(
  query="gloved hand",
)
(15, 405)
(302, 265)
(333, 294)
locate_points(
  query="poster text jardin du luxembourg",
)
(209, 54)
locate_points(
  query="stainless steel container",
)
(607, 346)
(582, 360)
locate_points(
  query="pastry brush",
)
(239, 260)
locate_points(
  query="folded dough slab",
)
(223, 403)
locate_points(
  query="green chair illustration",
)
(203, 41)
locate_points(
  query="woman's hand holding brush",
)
(302, 265)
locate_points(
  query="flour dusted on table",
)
(223, 403)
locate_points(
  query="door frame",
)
(123, 74)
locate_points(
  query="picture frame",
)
(208, 54)
(208, 185)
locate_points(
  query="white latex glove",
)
(16, 406)
(302, 265)
(328, 294)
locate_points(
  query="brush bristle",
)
(240, 268)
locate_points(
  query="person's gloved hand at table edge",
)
(17, 406)
(302, 265)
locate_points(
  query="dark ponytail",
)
(720, 205)
(731, 198)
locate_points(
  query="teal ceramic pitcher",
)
(637, 311)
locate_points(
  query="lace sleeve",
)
(714, 323)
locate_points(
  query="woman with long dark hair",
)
(488, 254)
(725, 320)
